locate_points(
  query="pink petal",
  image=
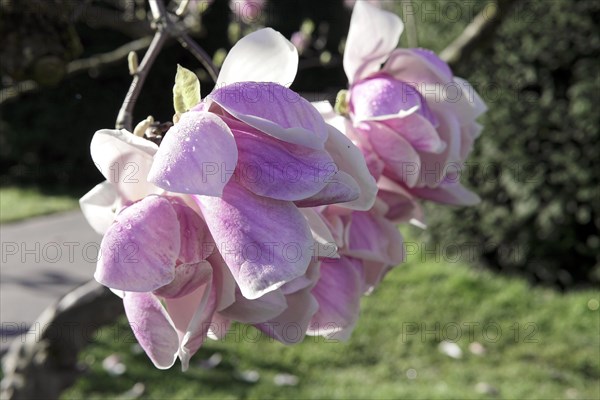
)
(338, 293)
(274, 110)
(383, 96)
(259, 310)
(196, 242)
(188, 277)
(350, 160)
(436, 166)
(373, 34)
(265, 242)
(223, 282)
(401, 160)
(340, 188)
(197, 155)
(139, 251)
(418, 131)
(417, 67)
(152, 327)
(284, 171)
(402, 206)
(191, 315)
(290, 326)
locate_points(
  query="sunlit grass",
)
(17, 203)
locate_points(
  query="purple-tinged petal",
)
(284, 171)
(197, 156)
(188, 277)
(402, 206)
(377, 242)
(265, 242)
(274, 110)
(435, 167)
(191, 315)
(196, 243)
(472, 105)
(124, 159)
(338, 293)
(256, 311)
(223, 281)
(139, 251)
(290, 326)
(382, 95)
(418, 131)
(152, 327)
(400, 158)
(417, 67)
(262, 56)
(350, 160)
(340, 188)
(325, 244)
(219, 326)
(373, 34)
(98, 205)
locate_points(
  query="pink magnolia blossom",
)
(414, 120)
(369, 245)
(159, 256)
(250, 155)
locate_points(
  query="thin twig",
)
(165, 27)
(125, 116)
(75, 67)
(477, 32)
(188, 43)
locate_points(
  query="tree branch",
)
(75, 67)
(125, 116)
(478, 32)
(164, 26)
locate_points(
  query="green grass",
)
(548, 347)
(17, 203)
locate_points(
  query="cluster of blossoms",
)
(261, 208)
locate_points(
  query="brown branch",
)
(478, 32)
(75, 67)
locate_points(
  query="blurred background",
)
(496, 300)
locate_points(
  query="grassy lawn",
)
(536, 344)
(18, 203)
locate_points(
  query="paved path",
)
(41, 260)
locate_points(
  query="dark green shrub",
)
(537, 164)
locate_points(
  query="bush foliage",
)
(536, 165)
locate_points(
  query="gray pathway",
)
(41, 260)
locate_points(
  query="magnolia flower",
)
(369, 245)
(412, 118)
(159, 257)
(124, 159)
(250, 155)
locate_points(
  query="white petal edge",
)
(262, 56)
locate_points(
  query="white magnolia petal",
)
(373, 34)
(124, 159)
(98, 205)
(262, 56)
